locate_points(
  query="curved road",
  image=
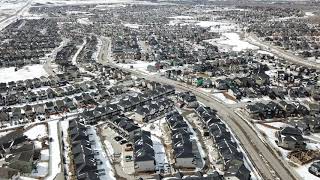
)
(264, 160)
(268, 164)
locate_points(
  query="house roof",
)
(237, 168)
(144, 153)
(290, 131)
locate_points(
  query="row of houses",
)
(231, 157)
(23, 85)
(48, 108)
(183, 152)
(281, 109)
(85, 163)
(153, 109)
(124, 126)
(143, 152)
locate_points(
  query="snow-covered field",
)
(85, 21)
(138, 65)
(37, 132)
(215, 26)
(230, 41)
(218, 26)
(133, 26)
(233, 40)
(27, 72)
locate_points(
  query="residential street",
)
(269, 165)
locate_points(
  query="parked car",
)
(128, 158)
(118, 138)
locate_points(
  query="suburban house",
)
(315, 168)
(236, 170)
(188, 98)
(182, 149)
(290, 138)
(144, 156)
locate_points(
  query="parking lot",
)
(117, 152)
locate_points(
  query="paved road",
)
(268, 164)
(253, 39)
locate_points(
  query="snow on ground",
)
(138, 65)
(37, 132)
(194, 137)
(44, 155)
(74, 58)
(109, 148)
(159, 151)
(106, 165)
(42, 170)
(181, 17)
(265, 52)
(95, 55)
(272, 72)
(233, 40)
(55, 160)
(304, 173)
(217, 26)
(84, 21)
(223, 99)
(26, 178)
(313, 146)
(181, 20)
(4, 133)
(27, 72)
(64, 128)
(74, 2)
(307, 14)
(270, 136)
(133, 26)
(155, 127)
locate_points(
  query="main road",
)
(268, 164)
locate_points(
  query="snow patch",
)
(233, 40)
(37, 132)
(27, 72)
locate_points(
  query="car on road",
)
(128, 158)
(118, 138)
(123, 142)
